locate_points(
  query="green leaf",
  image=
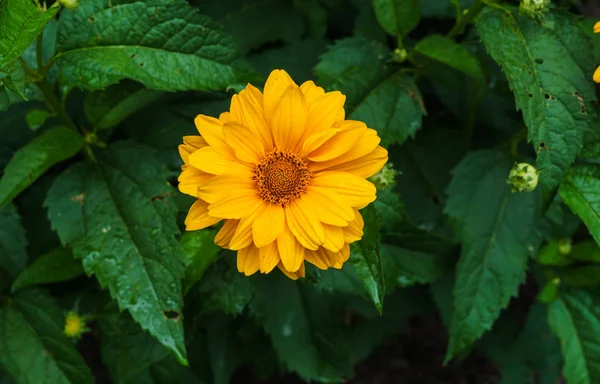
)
(31, 161)
(394, 108)
(397, 17)
(55, 266)
(403, 267)
(366, 259)
(575, 319)
(107, 108)
(12, 86)
(13, 256)
(200, 251)
(551, 254)
(127, 350)
(20, 22)
(447, 51)
(494, 226)
(585, 276)
(37, 117)
(128, 237)
(224, 348)
(580, 191)
(586, 251)
(33, 348)
(549, 64)
(165, 46)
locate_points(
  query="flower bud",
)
(74, 325)
(400, 55)
(69, 4)
(564, 246)
(386, 178)
(534, 6)
(523, 177)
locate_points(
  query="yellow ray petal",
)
(367, 143)
(291, 251)
(248, 260)
(225, 187)
(226, 232)
(190, 145)
(339, 144)
(268, 225)
(275, 87)
(304, 224)
(316, 258)
(235, 206)
(334, 238)
(246, 110)
(190, 178)
(293, 275)
(354, 190)
(317, 139)
(211, 130)
(225, 117)
(311, 91)
(243, 234)
(597, 27)
(289, 119)
(365, 166)
(198, 217)
(207, 159)
(256, 95)
(329, 207)
(324, 111)
(597, 75)
(354, 231)
(269, 257)
(247, 145)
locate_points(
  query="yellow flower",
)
(597, 71)
(287, 174)
(74, 325)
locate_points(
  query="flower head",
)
(523, 177)
(286, 172)
(74, 325)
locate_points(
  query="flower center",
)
(281, 177)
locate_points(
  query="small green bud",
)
(69, 4)
(564, 246)
(400, 55)
(386, 178)
(532, 7)
(523, 177)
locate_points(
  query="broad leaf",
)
(200, 251)
(55, 266)
(575, 319)
(12, 85)
(549, 64)
(165, 46)
(494, 227)
(366, 259)
(31, 161)
(397, 17)
(403, 267)
(107, 108)
(581, 192)
(447, 51)
(13, 256)
(20, 22)
(128, 237)
(33, 348)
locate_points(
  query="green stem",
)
(466, 19)
(54, 104)
(38, 52)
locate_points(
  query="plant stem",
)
(54, 104)
(466, 19)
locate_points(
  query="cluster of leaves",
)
(95, 100)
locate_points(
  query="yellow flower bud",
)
(523, 177)
(74, 325)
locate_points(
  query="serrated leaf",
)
(394, 108)
(200, 251)
(397, 17)
(107, 108)
(13, 256)
(12, 85)
(366, 259)
(494, 226)
(165, 46)
(549, 64)
(403, 267)
(127, 350)
(447, 51)
(575, 319)
(37, 117)
(128, 237)
(55, 266)
(33, 348)
(31, 161)
(20, 22)
(580, 191)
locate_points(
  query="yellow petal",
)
(365, 166)
(247, 145)
(324, 111)
(275, 87)
(317, 139)
(211, 130)
(248, 260)
(334, 238)
(235, 206)
(207, 159)
(268, 225)
(243, 234)
(293, 275)
(367, 143)
(339, 144)
(316, 258)
(198, 217)
(190, 178)
(269, 257)
(304, 224)
(225, 117)
(246, 109)
(311, 91)
(227, 231)
(354, 190)
(225, 187)
(291, 251)
(597, 27)
(256, 95)
(190, 145)
(597, 75)
(354, 231)
(329, 207)
(289, 119)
